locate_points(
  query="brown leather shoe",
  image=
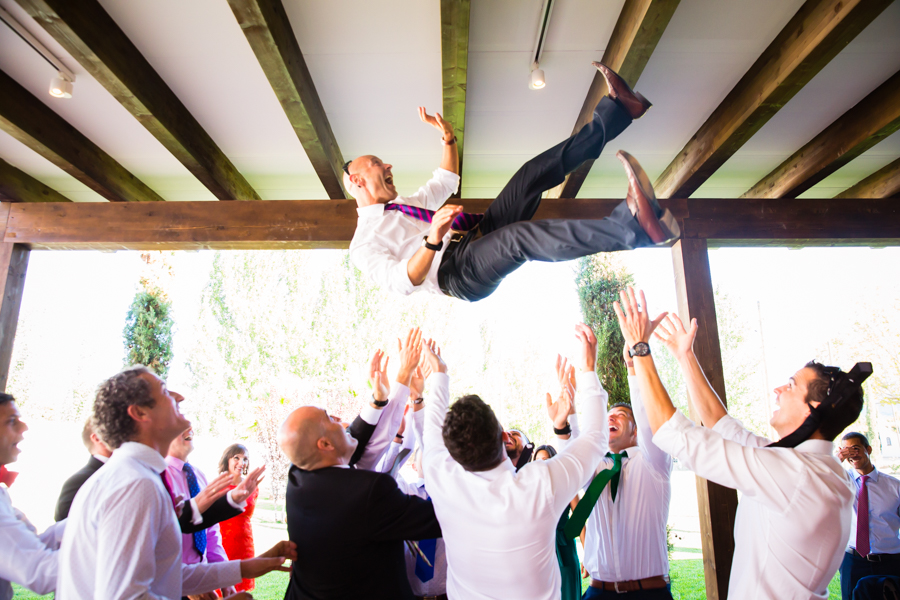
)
(633, 103)
(660, 229)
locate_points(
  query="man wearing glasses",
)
(413, 243)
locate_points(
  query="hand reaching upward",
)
(564, 405)
(378, 376)
(432, 361)
(587, 359)
(636, 326)
(677, 339)
(438, 122)
(409, 351)
(248, 485)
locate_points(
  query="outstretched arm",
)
(637, 327)
(450, 156)
(680, 342)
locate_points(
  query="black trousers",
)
(854, 568)
(472, 268)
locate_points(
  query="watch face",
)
(640, 349)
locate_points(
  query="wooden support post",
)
(13, 264)
(717, 505)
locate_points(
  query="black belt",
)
(455, 238)
(438, 597)
(876, 557)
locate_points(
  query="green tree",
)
(599, 279)
(148, 332)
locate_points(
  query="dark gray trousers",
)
(472, 268)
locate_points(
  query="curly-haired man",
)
(499, 525)
(123, 538)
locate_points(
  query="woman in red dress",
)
(237, 533)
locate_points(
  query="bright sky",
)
(805, 296)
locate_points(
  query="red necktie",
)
(7, 476)
(462, 221)
(862, 519)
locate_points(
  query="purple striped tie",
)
(462, 222)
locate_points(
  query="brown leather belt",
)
(621, 587)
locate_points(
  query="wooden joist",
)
(34, 124)
(883, 183)
(18, 186)
(93, 38)
(454, 69)
(331, 223)
(874, 118)
(814, 36)
(268, 30)
(640, 25)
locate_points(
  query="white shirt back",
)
(499, 526)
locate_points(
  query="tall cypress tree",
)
(600, 279)
(148, 332)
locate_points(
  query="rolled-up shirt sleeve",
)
(383, 267)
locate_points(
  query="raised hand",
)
(636, 326)
(248, 485)
(677, 339)
(378, 376)
(417, 382)
(559, 410)
(587, 359)
(438, 122)
(409, 351)
(217, 488)
(442, 221)
(432, 361)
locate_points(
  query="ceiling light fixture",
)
(61, 84)
(537, 80)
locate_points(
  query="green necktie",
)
(580, 515)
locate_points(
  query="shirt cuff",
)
(587, 382)
(667, 435)
(196, 515)
(370, 414)
(238, 505)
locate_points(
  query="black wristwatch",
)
(379, 403)
(564, 431)
(433, 247)
(639, 349)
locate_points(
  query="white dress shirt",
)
(384, 241)
(884, 511)
(499, 526)
(793, 520)
(124, 540)
(387, 423)
(625, 540)
(26, 558)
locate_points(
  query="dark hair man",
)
(874, 547)
(793, 520)
(100, 453)
(123, 538)
(499, 524)
(25, 558)
(625, 546)
(410, 244)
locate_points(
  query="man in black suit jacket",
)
(100, 452)
(349, 524)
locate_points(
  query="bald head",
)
(369, 180)
(313, 440)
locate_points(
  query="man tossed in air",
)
(409, 244)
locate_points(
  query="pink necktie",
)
(862, 519)
(462, 222)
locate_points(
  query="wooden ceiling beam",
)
(454, 69)
(814, 36)
(883, 183)
(268, 30)
(331, 223)
(640, 25)
(93, 38)
(33, 123)
(18, 186)
(874, 118)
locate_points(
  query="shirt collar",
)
(498, 471)
(101, 458)
(873, 476)
(176, 462)
(816, 447)
(143, 454)
(373, 211)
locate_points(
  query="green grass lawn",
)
(687, 584)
